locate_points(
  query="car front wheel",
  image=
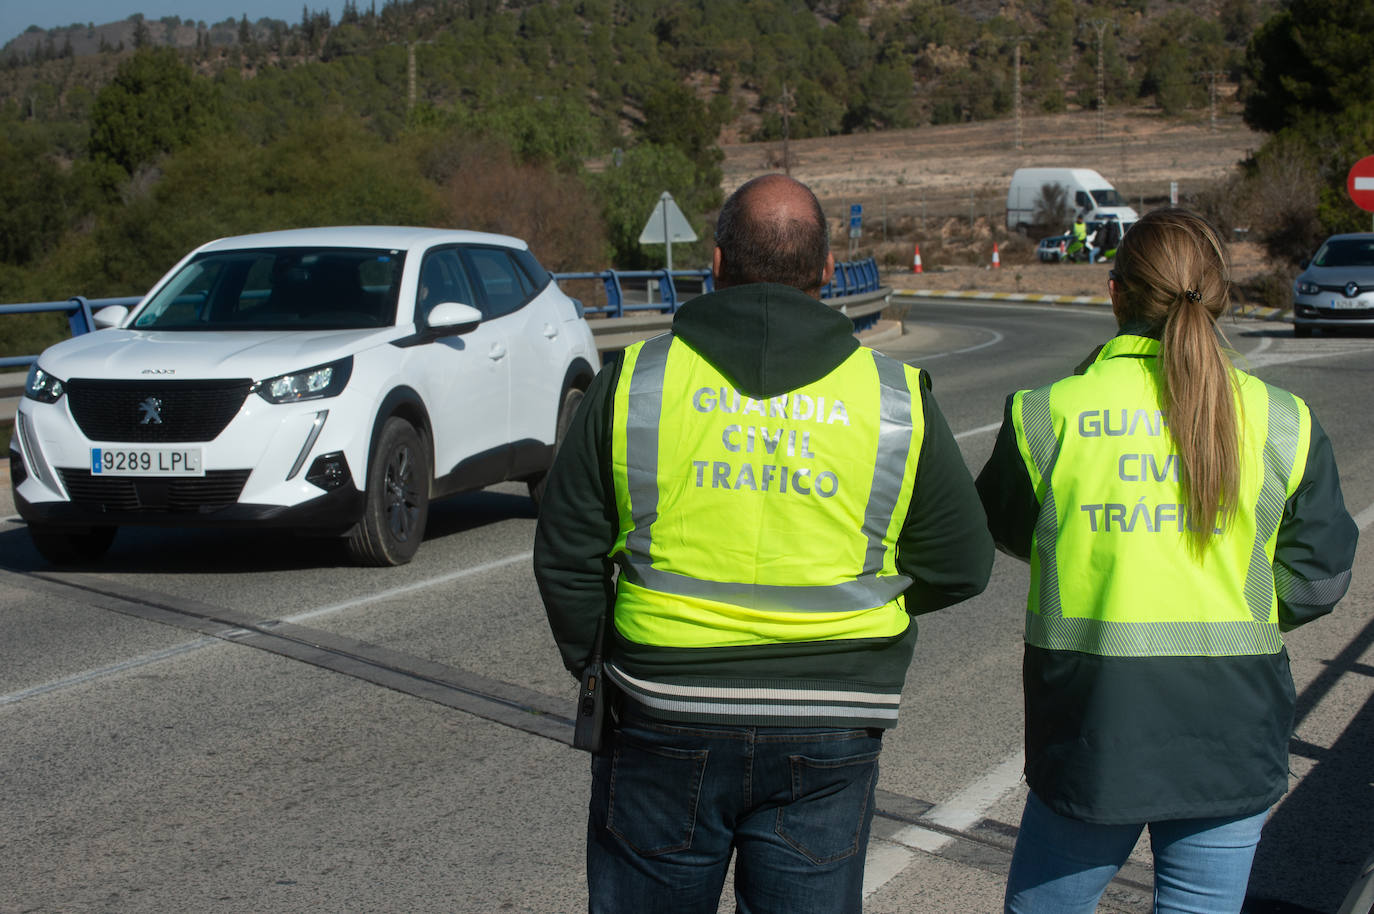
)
(397, 507)
(66, 546)
(571, 401)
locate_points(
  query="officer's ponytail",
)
(1171, 272)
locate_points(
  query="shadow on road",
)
(1317, 840)
(180, 550)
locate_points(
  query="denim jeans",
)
(1062, 865)
(670, 802)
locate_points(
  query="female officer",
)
(1177, 515)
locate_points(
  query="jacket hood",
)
(767, 339)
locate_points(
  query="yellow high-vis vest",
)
(753, 521)
(1111, 570)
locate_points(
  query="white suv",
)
(329, 380)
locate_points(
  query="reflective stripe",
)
(641, 440)
(866, 591)
(1290, 588)
(1044, 448)
(1280, 447)
(1153, 639)
(889, 469)
(753, 702)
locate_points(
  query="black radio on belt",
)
(591, 699)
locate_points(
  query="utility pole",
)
(410, 78)
(1100, 26)
(1212, 76)
(1016, 86)
(786, 131)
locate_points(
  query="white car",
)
(326, 380)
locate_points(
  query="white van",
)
(1088, 193)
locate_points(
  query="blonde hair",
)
(1172, 273)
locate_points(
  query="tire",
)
(397, 506)
(71, 546)
(571, 401)
(1301, 332)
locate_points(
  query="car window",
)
(505, 287)
(1346, 252)
(1082, 200)
(279, 289)
(442, 279)
(1109, 196)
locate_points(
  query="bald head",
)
(772, 229)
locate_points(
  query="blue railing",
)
(78, 310)
(851, 278)
(624, 289)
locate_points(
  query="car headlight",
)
(1307, 288)
(311, 384)
(42, 386)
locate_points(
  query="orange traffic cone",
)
(916, 260)
(996, 261)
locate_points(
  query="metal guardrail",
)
(78, 309)
(635, 290)
(624, 289)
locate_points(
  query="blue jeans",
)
(1062, 865)
(670, 802)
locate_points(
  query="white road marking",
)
(990, 427)
(410, 588)
(1364, 518)
(997, 337)
(104, 672)
(883, 863)
(959, 813)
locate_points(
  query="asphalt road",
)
(231, 722)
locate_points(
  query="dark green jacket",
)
(768, 340)
(1137, 739)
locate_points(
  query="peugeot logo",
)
(1352, 289)
(152, 411)
(159, 371)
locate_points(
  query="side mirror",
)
(453, 317)
(109, 317)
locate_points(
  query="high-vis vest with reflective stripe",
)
(749, 521)
(1111, 571)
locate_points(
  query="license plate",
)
(1348, 304)
(146, 461)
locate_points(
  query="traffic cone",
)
(916, 260)
(1063, 250)
(996, 261)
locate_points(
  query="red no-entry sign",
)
(1360, 183)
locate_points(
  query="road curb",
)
(1237, 311)
(1023, 297)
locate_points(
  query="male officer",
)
(760, 506)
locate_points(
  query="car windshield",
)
(279, 289)
(1109, 196)
(1346, 252)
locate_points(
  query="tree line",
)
(563, 122)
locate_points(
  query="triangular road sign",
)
(666, 223)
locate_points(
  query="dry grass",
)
(945, 187)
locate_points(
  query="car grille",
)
(198, 494)
(140, 412)
(1345, 314)
(1362, 288)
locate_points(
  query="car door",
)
(468, 377)
(538, 352)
